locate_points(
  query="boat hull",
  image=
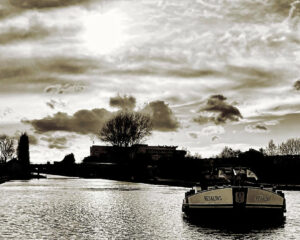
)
(239, 203)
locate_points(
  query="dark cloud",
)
(258, 128)
(238, 77)
(55, 103)
(162, 116)
(15, 34)
(29, 4)
(82, 121)
(38, 74)
(297, 85)
(124, 103)
(161, 71)
(261, 127)
(66, 65)
(193, 135)
(21, 67)
(56, 142)
(215, 138)
(216, 97)
(65, 88)
(51, 104)
(91, 121)
(220, 110)
(283, 7)
(10, 69)
(253, 77)
(7, 10)
(203, 119)
(33, 140)
(192, 73)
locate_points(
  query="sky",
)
(210, 73)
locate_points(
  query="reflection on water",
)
(72, 208)
(234, 226)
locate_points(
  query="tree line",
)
(288, 147)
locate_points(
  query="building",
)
(154, 152)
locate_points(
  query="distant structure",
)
(153, 152)
(23, 150)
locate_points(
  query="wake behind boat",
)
(239, 198)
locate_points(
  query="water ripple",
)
(102, 209)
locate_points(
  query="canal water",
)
(73, 208)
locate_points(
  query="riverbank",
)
(32, 176)
(189, 184)
(170, 182)
(3, 179)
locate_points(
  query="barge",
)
(240, 198)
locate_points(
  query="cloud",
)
(14, 34)
(203, 119)
(7, 10)
(297, 85)
(29, 27)
(213, 130)
(32, 4)
(261, 127)
(183, 72)
(193, 135)
(55, 75)
(91, 121)
(6, 112)
(124, 103)
(33, 139)
(66, 65)
(82, 121)
(272, 122)
(20, 68)
(162, 116)
(56, 142)
(55, 103)
(215, 138)
(51, 104)
(284, 7)
(64, 88)
(256, 128)
(254, 77)
(217, 110)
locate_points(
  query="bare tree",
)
(290, 147)
(126, 128)
(7, 149)
(272, 149)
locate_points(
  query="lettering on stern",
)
(262, 198)
(212, 198)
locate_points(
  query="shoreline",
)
(166, 182)
(187, 184)
(3, 180)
